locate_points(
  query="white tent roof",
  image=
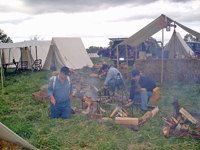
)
(152, 28)
(13, 49)
(9, 136)
(177, 44)
(23, 44)
(68, 52)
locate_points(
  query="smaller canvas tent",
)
(177, 44)
(68, 52)
(9, 136)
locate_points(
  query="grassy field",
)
(30, 118)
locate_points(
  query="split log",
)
(188, 116)
(145, 118)
(114, 112)
(154, 111)
(126, 121)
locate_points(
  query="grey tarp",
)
(68, 52)
(152, 28)
(177, 44)
(7, 135)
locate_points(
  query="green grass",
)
(30, 118)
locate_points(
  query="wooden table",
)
(5, 66)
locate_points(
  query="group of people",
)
(60, 89)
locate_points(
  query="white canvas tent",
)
(152, 28)
(177, 44)
(9, 136)
(68, 52)
(39, 50)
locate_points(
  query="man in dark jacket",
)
(141, 89)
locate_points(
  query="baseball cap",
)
(65, 70)
(135, 72)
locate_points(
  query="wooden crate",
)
(41, 96)
(156, 94)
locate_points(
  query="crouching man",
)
(141, 89)
(60, 91)
(114, 78)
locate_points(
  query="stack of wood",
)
(175, 124)
(97, 70)
(119, 112)
(137, 122)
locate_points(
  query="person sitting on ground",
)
(114, 78)
(60, 91)
(141, 89)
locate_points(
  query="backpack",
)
(54, 81)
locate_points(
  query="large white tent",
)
(177, 45)
(39, 50)
(68, 52)
(152, 28)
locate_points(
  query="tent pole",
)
(162, 55)
(127, 59)
(117, 57)
(36, 52)
(21, 54)
(1, 71)
(9, 56)
(31, 60)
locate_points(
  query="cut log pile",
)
(97, 70)
(175, 125)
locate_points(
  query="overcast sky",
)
(93, 20)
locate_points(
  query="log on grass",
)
(188, 116)
(126, 121)
(154, 111)
(145, 118)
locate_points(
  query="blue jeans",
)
(62, 109)
(143, 98)
(113, 83)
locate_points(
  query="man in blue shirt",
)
(60, 91)
(141, 89)
(114, 78)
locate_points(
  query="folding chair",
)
(37, 65)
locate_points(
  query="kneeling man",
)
(141, 89)
(60, 91)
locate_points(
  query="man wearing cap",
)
(141, 89)
(60, 91)
(114, 78)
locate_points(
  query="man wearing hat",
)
(60, 91)
(141, 89)
(114, 78)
